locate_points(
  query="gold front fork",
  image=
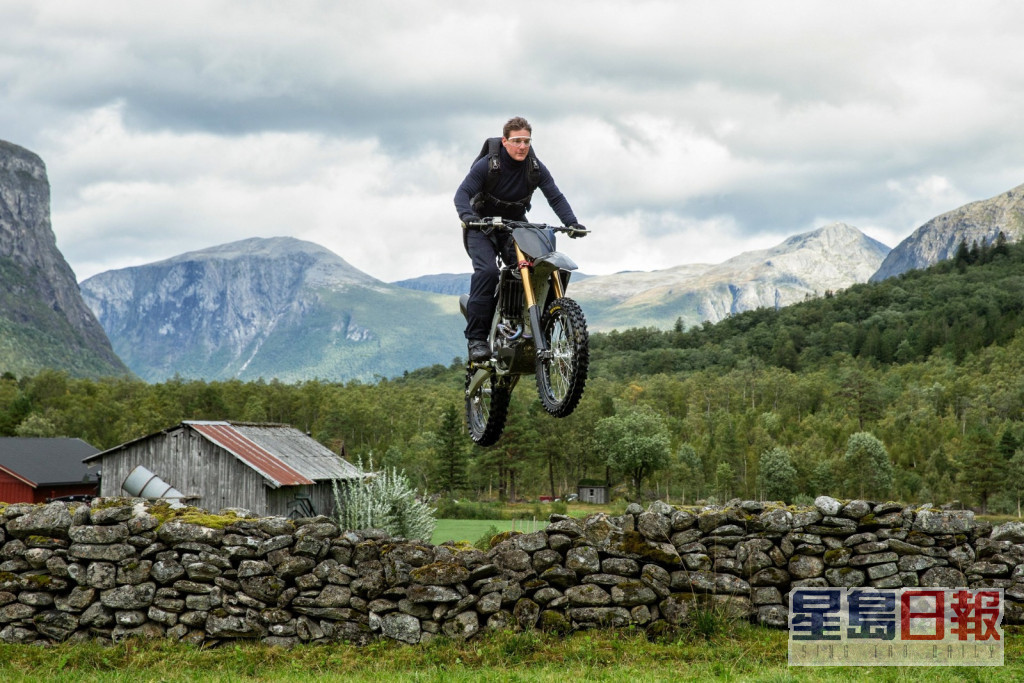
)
(556, 282)
(525, 273)
(531, 305)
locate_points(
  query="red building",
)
(38, 470)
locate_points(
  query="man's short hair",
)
(515, 123)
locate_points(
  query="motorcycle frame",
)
(546, 270)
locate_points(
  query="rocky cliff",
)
(278, 307)
(938, 239)
(829, 258)
(44, 323)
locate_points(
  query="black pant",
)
(483, 252)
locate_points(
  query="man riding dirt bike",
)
(500, 186)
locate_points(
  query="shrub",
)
(383, 500)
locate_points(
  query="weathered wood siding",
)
(323, 498)
(592, 494)
(301, 501)
(211, 477)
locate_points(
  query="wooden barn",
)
(268, 469)
(38, 470)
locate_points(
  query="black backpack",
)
(491, 149)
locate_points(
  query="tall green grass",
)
(736, 651)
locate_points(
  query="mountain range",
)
(288, 309)
(827, 259)
(278, 307)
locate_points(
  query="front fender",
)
(556, 260)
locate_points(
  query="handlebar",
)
(497, 223)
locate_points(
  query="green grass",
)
(738, 652)
(472, 529)
(521, 515)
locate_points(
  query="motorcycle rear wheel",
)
(487, 408)
(561, 378)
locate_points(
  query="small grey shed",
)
(268, 469)
(592, 491)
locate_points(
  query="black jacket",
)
(512, 186)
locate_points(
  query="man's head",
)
(516, 137)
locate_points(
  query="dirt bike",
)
(536, 330)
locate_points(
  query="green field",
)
(473, 529)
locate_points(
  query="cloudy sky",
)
(681, 132)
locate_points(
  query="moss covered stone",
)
(9, 581)
(38, 581)
(636, 546)
(440, 574)
(554, 621)
(164, 513)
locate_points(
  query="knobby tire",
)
(561, 378)
(486, 409)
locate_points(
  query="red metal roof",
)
(263, 461)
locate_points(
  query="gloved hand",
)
(577, 231)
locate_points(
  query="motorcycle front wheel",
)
(562, 376)
(487, 408)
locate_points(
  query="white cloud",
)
(642, 240)
(691, 131)
(154, 195)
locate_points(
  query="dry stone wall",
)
(113, 570)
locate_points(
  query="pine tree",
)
(725, 478)
(693, 470)
(1015, 476)
(451, 453)
(984, 467)
(1008, 444)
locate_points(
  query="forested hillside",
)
(911, 388)
(953, 308)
